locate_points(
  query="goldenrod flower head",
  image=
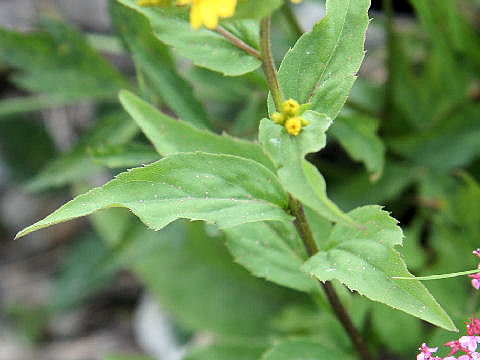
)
(296, 1)
(293, 125)
(278, 118)
(291, 108)
(207, 12)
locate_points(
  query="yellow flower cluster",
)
(203, 12)
(290, 117)
(207, 12)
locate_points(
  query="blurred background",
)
(408, 139)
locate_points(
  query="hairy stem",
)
(296, 208)
(238, 42)
(268, 64)
(303, 228)
(291, 19)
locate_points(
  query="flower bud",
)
(278, 118)
(293, 126)
(291, 108)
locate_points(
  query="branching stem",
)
(296, 207)
(303, 228)
(238, 42)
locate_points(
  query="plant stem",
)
(238, 42)
(268, 64)
(296, 208)
(291, 19)
(303, 228)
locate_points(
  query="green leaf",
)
(23, 104)
(271, 250)
(153, 59)
(204, 47)
(321, 67)
(26, 148)
(80, 275)
(122, 156)
(307, 319)
(358, 136)
(227, 352)
(365, 261)
(434, 148)
(298, 176)
(256, 9)
(398, 326)
(114, 128)
(171, 136)
(59, 62)
(193, 277)
(306, 349)
(356, 189)
(199, 186)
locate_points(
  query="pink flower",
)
(475, 280)
(476, 277)
(473, 327)
(469, 342)
(426, 353)
(455, 347)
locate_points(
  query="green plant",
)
(268, 200)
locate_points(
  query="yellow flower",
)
(290, 117)
(203, 12)
(207, 12)
(278, 118)
(291, 108)
(293, 125)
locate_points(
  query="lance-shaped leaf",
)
(222, 189)
(271, 250)
(114, 128)
(122, 156)
(254, 9)
(153, 59)
(321, 67)
(60, 63)
(171, 136)
(227, 352)
(205, 48)
(365, 261)
(304, 348)
(298, 176)
(358, 136)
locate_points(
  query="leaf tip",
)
(124, 94)
(20, 234)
